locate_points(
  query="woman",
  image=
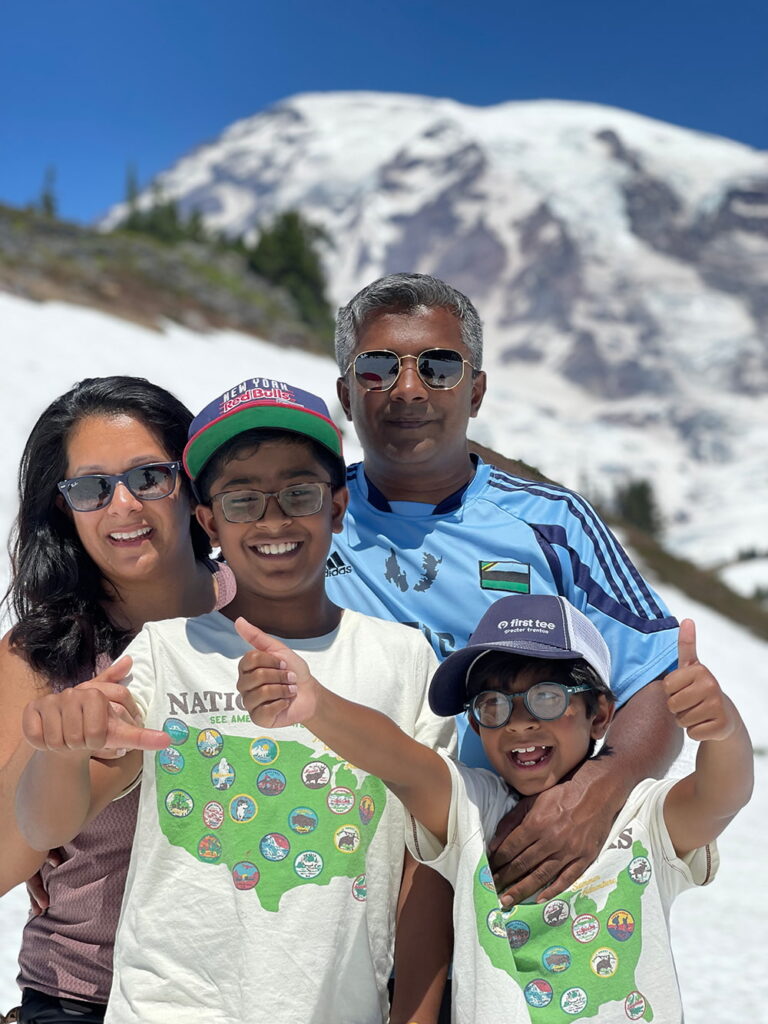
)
(104, 541)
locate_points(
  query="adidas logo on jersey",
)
(336, 566)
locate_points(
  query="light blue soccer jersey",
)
(439, 569)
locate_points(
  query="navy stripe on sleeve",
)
(550, 537)
(621, 573)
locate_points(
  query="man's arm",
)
(565, 827)
(62, 785)
(698, 807)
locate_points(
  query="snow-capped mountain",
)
(620, 265)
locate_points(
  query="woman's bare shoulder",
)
(19, 682)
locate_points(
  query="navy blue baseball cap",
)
(259, 402)
(533, 625)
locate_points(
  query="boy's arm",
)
(699, 807)
(423, 944)
(62, 785)
(278, 690)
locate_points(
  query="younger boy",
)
(534, 679)
(265, 869)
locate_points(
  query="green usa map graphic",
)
(568, 957)
(278, 814)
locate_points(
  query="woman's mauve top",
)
(67, 951)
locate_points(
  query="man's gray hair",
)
(404, 293)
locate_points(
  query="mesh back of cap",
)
(586, 637)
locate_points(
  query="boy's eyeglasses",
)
(439, 368)
(95, 491)
(493, 708)
(250, 506)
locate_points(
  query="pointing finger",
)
(124, 736)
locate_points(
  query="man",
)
(433, 536)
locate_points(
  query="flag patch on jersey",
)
(513, 577)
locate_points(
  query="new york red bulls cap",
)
(254, 403)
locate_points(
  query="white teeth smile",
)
(133, 535)
(277, 549)
(518, 755)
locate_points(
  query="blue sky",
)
(88, 86)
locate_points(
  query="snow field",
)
(717, 931)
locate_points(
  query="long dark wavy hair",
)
(57, 591)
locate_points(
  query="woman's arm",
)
(63, 785)
(19, 684)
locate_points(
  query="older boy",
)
(535, 681)
(265, 869)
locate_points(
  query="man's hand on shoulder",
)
(548, 841)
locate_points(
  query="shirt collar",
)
(444, 507)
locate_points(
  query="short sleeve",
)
(141, 679)
(698, 867)
(431, 730)
(479, 800)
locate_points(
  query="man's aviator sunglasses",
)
(294, 501)
(146, 483)
(492, 709)
(438, 368)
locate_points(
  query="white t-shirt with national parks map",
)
(599, 952)
(265, 870)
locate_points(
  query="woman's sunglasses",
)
(439, 368)
(147, 483)
(493, 708)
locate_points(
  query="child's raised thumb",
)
(251, 634)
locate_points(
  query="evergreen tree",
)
(131, 188)
(48, 204)
(162, 219)
(286, 254)
(636, 502)
(195, 228)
